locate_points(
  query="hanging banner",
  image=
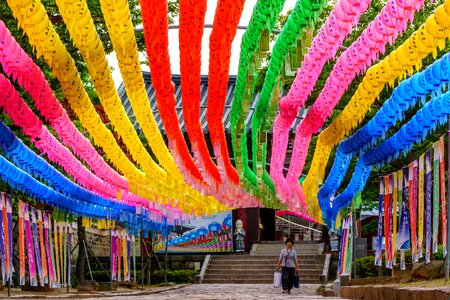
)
(69, 250)
(124, 255)
(133, 251)
(52, 253)
(129, 257)
(435, 196)
(61, 250)
(341, 254)
(394, 182)
(114, 255)
(343, 247)
(42, 245)
(379, 250)
(443, 194)
(7, 237)
(30, 250)
(63, 236)
(412, 212)
(21, 244)
(349, 254)
(36, 245)
(421, 204)
(403, 236)
(56, 245)
(10, 235)
(428, 192)
(119, 254)
(387, 222)
(51, 272)
(390, 218)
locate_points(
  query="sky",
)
(209, 19)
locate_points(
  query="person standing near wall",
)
(289, 265)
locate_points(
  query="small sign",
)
(360, 247)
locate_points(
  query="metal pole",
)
(142, 260)
(447, 260)
(353, 243)
(110, 260)
(69, 267)
(165, 263)
(87, 258)
(9, 287)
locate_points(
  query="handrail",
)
(199, 278)
(326, 268)
(299, 225)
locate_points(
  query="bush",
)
(437, 256)
(365, 266)
(370, 227)
(99, 276)
(175, 276)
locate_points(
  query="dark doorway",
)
(259, 224)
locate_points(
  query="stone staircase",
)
(259, 265)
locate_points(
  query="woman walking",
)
(289, 263)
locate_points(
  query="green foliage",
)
(99, 276)
(282, 19)
(365, 266)
(370, 227)
(175, 276)
(260, 79)
(157, 277)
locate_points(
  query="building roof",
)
(203, 103)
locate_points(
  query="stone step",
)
(240, 267)
(265, 257)
(269, 272)
(256, 267)
(254, 281)
(282, 246)
(296, 246)
(254, 276)
(303, 242)
(279, 249)
(307, 265)
(313, 258)
(239, 275)
(265, 252)
(261, 267)
(272, 253)
(310, 264)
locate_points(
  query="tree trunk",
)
(81, 261)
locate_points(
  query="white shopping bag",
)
(277, 279)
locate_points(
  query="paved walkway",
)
(230, 291)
